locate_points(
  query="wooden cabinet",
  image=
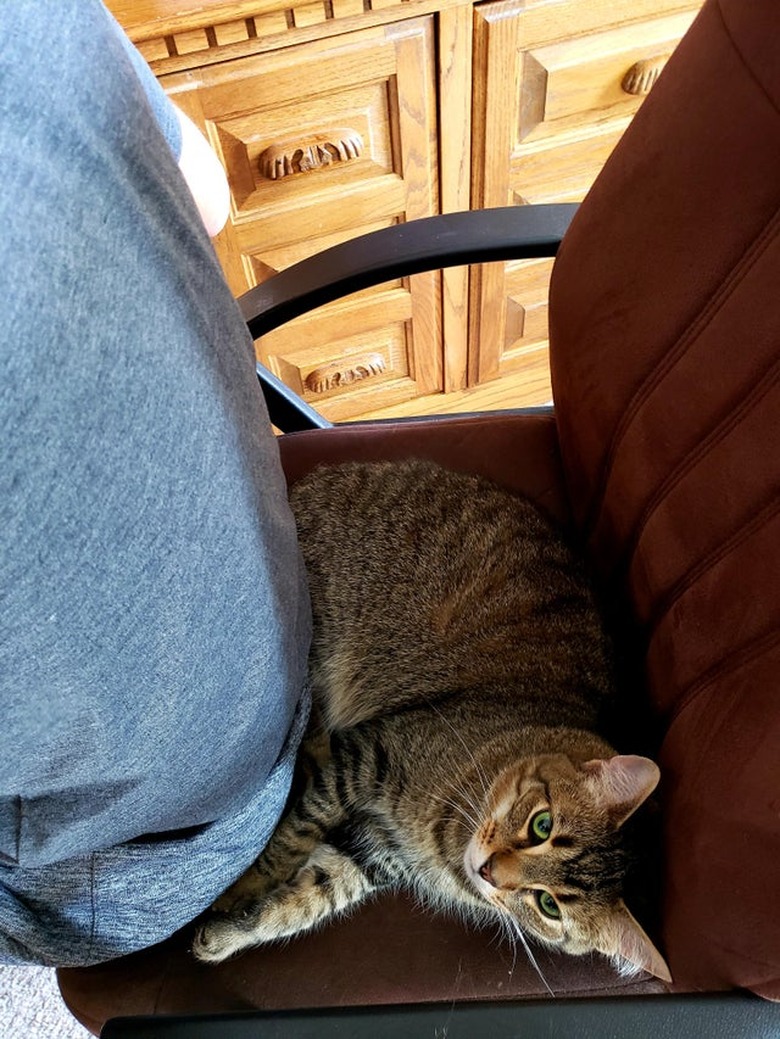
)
(336, 117)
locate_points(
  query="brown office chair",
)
(663, 456)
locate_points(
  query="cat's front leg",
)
(329, 884)
(297, 836)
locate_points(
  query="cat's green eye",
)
(548, 905)
(540, 827)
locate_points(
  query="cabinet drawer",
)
(353, 357)
(575, 84)
(577, 97)
(322, 142)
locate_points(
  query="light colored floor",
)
(31, 1006)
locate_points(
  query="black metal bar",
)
(431, 243)
(286, 409)
(727, 1016)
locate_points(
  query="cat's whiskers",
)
(469, 752)
(504, 933)
(513, 943)
(462, 792)
(458, 808)
(461, 801)
(518, 931)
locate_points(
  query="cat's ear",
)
(623, 939)
(622, 783)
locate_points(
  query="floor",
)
(31, 1006)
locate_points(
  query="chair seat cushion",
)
(390, 951)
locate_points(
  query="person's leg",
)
(155, 622)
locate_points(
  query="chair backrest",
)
(665, 343)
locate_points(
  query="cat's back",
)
(426, 581)
(411, 513)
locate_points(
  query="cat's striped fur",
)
(459, 668)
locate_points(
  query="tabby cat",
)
(459, 667)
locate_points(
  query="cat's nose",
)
(485, 871)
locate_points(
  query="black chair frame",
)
(455, 239)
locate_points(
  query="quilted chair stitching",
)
(715, 437)
(745, 63)
(756, 647)
(714, 303)
(711, 560)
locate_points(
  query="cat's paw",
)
(248, 921)
(223, 935)
(327, 885)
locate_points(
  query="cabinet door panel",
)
(554, 90)
(322, 142)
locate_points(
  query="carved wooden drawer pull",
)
(342, 373)
(297, 155)
(641, 77)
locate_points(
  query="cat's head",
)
(550, 854)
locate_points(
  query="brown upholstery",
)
(665, 309)
(665, 335)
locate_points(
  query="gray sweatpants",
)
(154, 621)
